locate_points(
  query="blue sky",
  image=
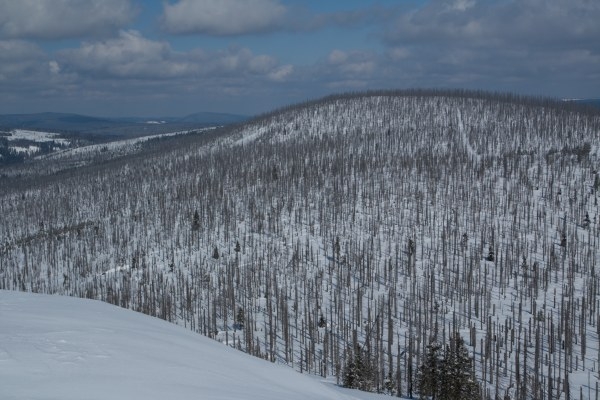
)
(170, 58)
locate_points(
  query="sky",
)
(177, 57)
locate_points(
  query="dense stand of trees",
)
(356, 231)
(448, 375)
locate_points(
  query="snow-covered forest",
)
(382, 222)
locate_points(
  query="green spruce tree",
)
(490, 256)
(240, 318)
(196, 221)
(358, 371)
(429, 373)
(457, 380)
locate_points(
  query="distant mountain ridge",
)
(588, 102)
(591, 102)
(57, 121)
(88, 124)
(216, 118)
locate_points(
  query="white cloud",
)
(59, 19)
(282, 73)
(337, 57)
(352, 63)
(462, 5)
(134, 72)
(131, 56)
(54, 67)
(514, 23)
(398, 53)
(262, 64)
(223, 17)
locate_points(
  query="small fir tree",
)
(448, 376)
(586, 220)
(524, 265)
(336, 248)
(429, 372)
(389, 383)
(491, 255)
(411, 247)
(196, 221)
(240, 318)
(322, 322)
(563, 240)
(358, 372)
(457, 381)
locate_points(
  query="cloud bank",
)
(223, 17)
(132, 56)
(237, 50)
(62, 19)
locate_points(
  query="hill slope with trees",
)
(372, 224)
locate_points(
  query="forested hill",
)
(368, 225)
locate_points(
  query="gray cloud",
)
(351, 65)
(516, 23)
(223, 17)
(60, 19)
(541, 47)
(241, 17)
(529, 46)
(302, 20)
(20, 62)
(139, 74)
(132, 56)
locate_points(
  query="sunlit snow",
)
(54, 347)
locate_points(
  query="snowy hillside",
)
(55, 347)
(380, 223)
(18, 144)
(73, 157)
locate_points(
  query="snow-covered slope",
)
(55, 347)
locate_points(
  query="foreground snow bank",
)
(54, 347)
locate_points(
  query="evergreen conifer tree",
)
(490, 256)
(456, 374)
(196, 221)
(240, 318)
(586, 220)
(358, 372)
(429, 372)
(322, 321)
(563, 240)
